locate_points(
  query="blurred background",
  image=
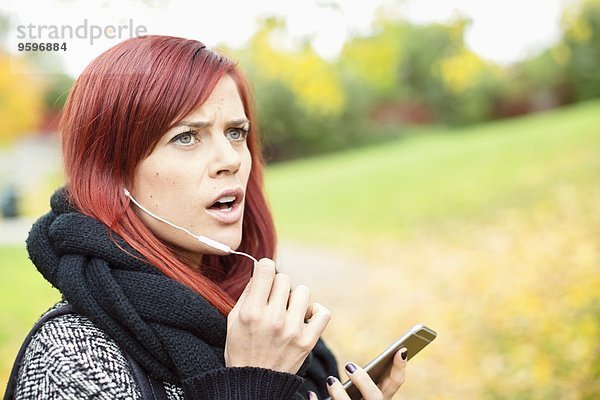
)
(431, 162)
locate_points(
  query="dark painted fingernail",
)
(404, 354)
(350, 367)
(330, 380)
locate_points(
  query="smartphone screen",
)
(415, 339)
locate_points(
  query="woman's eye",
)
(185, 139)
(237, 134)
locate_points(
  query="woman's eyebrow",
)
(240, 121)
(203, 124)
(197, 124)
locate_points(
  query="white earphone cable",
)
(203, 239)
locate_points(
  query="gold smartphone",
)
(415, 339)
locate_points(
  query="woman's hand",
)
(266, 328)
(363, 382)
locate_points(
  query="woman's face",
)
(196, 176)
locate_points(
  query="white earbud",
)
(202, 239)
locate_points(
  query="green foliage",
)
(289, 129)
(303, 108)
(20, 99)
(374, 61)
(57, 91)
(401, 74)
(414, 64)
(582, 44)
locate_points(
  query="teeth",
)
(226, 199)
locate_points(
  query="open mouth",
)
(227, 208)
(225, 203)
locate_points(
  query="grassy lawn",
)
(24, 295)
(488, 233)
(433, 178)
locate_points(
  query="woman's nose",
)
(226, 159)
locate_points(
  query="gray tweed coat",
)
(70, 358)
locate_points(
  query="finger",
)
(336, 390)
(362, 381)
(318, 318)
(244, 294)
(312, 395)
(280, 292)
(261, 283)
(236, 308)
(390, 385)
(298, 304)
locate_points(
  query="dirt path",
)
(327, 273)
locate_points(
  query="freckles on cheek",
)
(170, 182)
(164, 191)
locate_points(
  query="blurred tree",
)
(21, 99)
(374, 61)
(400, 74)
(301, 98)
(581, 25)
(3, 28)
(534, 84)
(26, 96)
(57, 90)
(420, 70)
(312, 79)
(461, 71)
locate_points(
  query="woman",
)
(171, 123)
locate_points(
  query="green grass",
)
(24, 295)
(434, 178)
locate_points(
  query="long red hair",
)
(116, 112)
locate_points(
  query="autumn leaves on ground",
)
(490, 235)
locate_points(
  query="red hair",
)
(116, 112)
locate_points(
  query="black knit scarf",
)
(171, 331)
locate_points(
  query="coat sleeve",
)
(256, 383)
(247, 383)
(68, 357)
